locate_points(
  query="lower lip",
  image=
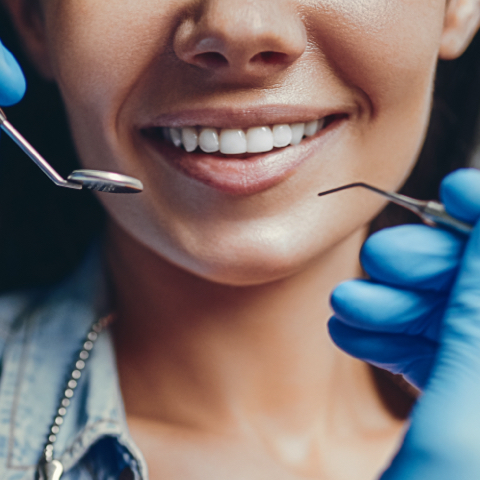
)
(241, 175)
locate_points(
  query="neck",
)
(214, 356)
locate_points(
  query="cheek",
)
(101, 48)
(385, 49)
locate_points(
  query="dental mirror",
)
(106, 181)
(79, 179)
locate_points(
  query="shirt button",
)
(127, 474)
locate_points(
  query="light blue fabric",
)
(41, 333)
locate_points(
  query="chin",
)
(261, 264)
(255, 259)
(239, 258)
(242, 264)
(239, 251)
(246, 270)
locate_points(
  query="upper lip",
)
(244, 117)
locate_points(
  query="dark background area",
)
(45, 230)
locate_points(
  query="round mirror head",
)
(106, 181)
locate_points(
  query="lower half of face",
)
(232, 162)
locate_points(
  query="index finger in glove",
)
(12, 81)
(376, 307)
(460, 193)
(413, 256)
(417, 256)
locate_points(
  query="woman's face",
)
(127, 70)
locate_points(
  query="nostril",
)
(216, 60)
(270, 58)
(210, 60)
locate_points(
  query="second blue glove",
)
(12, 81)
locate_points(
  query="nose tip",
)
(242, 38)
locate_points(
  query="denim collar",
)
(46, 330)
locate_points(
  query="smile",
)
(239, 161)
(236, 141)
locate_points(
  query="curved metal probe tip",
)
(431, 212)
(416, 206)
(351, 185)
(79, 179)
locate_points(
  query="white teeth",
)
(233, 141)
(282, 135)
(259, 139)
(190, 138)
(176, 136)
(298, 130)
(208, 140)
(311, 128)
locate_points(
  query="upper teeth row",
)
(236, 141)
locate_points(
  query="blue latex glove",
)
(419, 315)
(12, 81)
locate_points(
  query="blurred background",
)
(45, 230)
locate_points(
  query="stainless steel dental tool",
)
(79, 179)
(431, 212)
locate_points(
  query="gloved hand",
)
(12, 81)
(419, 315)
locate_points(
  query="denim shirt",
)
(41, 333)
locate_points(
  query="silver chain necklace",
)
(49, 468)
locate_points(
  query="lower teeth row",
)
(236, 141)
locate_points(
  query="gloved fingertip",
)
(341, 296)
(412, 356)
(379, 248)
(360, 301)
(412, 256)
(460, 193)
(337, 330)
(12, 81)
(354, 342)
(376, 307)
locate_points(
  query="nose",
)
(241, 39)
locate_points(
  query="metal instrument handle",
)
(46, 168)
(434, 214)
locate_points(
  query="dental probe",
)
(79, 179)
(431, 212)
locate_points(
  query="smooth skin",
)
(225, 362)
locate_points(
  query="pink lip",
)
(245, 117)
(241, 175)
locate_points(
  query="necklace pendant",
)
(50, 470)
